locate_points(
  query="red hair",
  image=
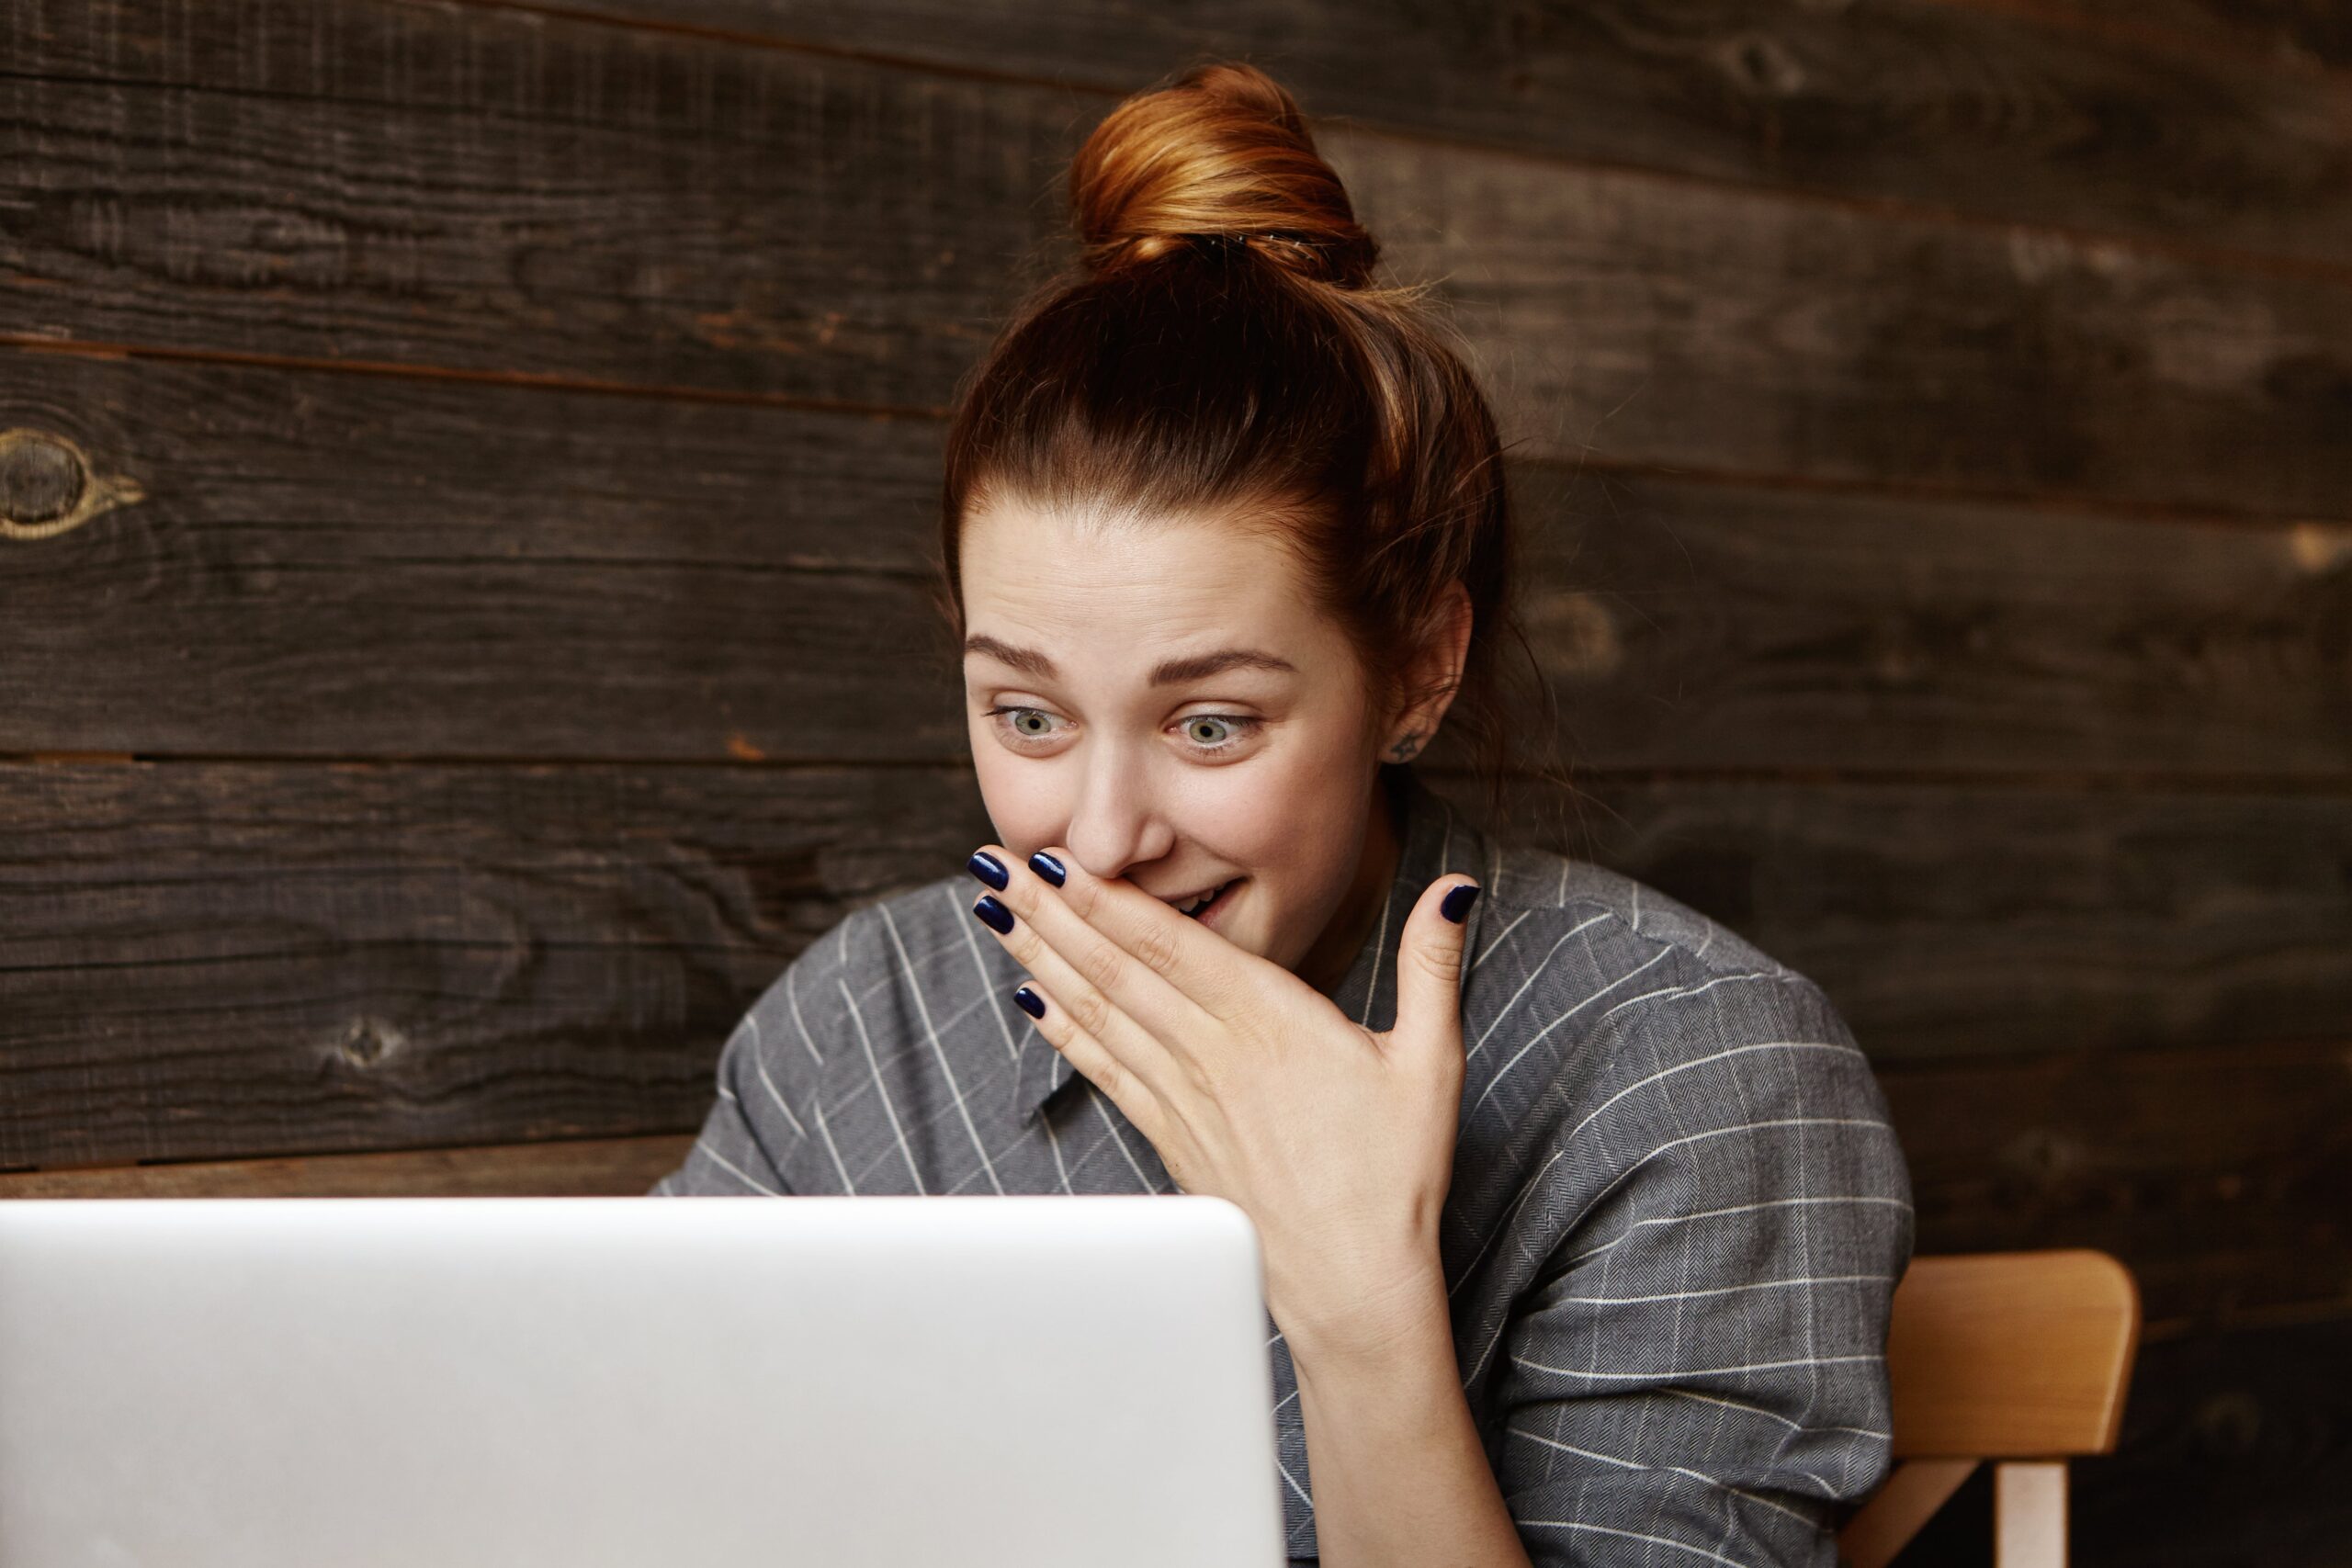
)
(1223, 348)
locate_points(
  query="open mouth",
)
(1210, 901)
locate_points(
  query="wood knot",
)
(48, 486)
(366, 1042)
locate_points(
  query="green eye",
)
(1210, 733)
(1242, 726)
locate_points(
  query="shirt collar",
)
(1436, 841)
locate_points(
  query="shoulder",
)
(1614, 916)
(1595, 997)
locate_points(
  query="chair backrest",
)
(2007, 1357)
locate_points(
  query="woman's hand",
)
(1336, 1140)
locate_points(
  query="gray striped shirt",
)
(1678, 1210)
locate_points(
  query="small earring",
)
(1404, 749)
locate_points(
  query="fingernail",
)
(988, 869)
(1047, 867)
(994, 913)
(1031, 1002)
(1455, 906)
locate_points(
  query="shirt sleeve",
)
(767, 1082)
(1698, 1374)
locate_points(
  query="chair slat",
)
(2011, 1355)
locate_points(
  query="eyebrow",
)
(1168, 672)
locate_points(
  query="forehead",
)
(1119, 591)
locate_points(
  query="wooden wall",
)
(468, 469)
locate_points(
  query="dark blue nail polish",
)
(1048, 868)
(994, 913)
(1455, 906)
(1031, 1002)
(988, 869)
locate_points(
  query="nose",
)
(1116, 821)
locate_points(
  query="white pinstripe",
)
(1703, 1479)
(732, 1168)
(1728, 1289)
(1631, 1535)
(1773, 1415)
(1656, 1373)
(790, 997)
(1531, 976)
(760, 1061)
(1535, 1039)
(879, 1087)
(816, 1108)
(914, 990)
(1734, 1209)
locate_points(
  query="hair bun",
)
(1222, 159)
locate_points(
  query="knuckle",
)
(1101, 963)
(1442, 963)
(1156, 951)
(1090, 1012)
(1106, 1075)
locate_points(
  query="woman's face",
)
(1161, 699)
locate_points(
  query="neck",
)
(1327, 961)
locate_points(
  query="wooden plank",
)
(2008, 1355)
(2312, 37)
(1955, 922)
(1690, 625)
(1987, 109)
(571, 1167)
(332, 565)
(2237, 1452)
(2215, 1172)
(519, 196)
(338, 566)
(227, 961)
(221, 959)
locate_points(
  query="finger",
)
(1189, 959)
(1113, 947)
(1137, 1050)
(1097, 1066)
(1429, 964)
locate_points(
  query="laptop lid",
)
(1039, 1381)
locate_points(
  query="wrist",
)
(1395, 1313)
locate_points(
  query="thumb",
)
(1429, 961)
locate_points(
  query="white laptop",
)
(582, 1382)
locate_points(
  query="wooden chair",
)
(2015, 1359)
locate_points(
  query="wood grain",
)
(2216, 1173)
(1994, 111)
(531, 197)
(1954, 921)
(2237, 1452)
(571, 1168)
(2011, 1355)
(2312, 37)
(333, 566)
(216, 961)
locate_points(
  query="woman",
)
(1580, 1214)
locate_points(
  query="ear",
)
(1433, 675)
